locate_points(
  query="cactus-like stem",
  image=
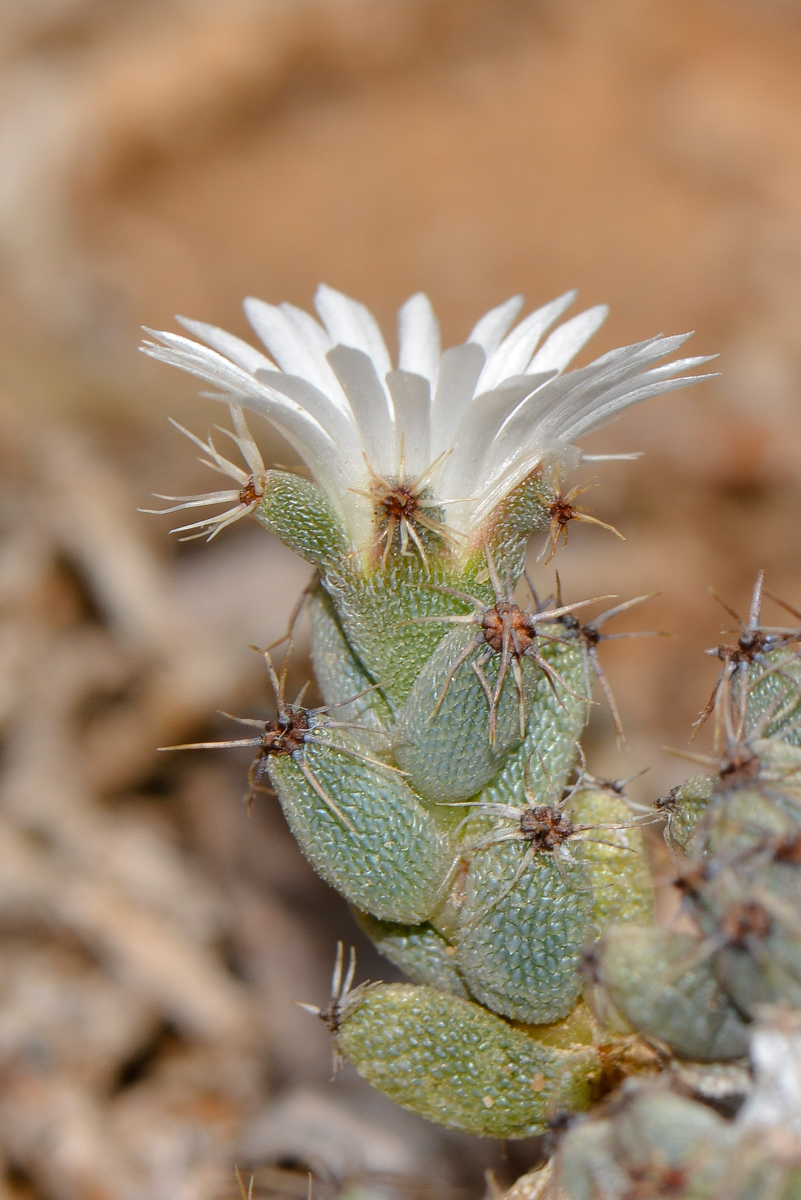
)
(441, 788)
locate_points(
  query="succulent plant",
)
(440, 787)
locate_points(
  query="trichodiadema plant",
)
(440, 787)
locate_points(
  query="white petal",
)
(201, 361)
(612, 405)
(478, 428)
(351, 324)
(323, 457)
(419, 339)
(490, 330)
(585, 398)
(310, 330)
(459, 370)
(515, 351)
(239, 352)
(340, 425)
(411, 396)
(573, 405)
(370, 404)
(544, 415)
(298, 347)
(566, 341)
(316, 338)
(568, 394)
(614, 374)
(315, 446)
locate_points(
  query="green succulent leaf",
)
(523, 925)
(417, 950)
(364, 830)
(614, 859)
(442, 736)
(658, 982)
(339, 673)
(458, 1064)
(300, 515)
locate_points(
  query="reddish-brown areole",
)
(562, 512)
(744, 920)
(399, 502)
(403, 505)
(506, 620)
(586, 635)
(545, 827)
(250, 493)
(788, 848)
(286, 735)
(750, 644)
(651, 1181)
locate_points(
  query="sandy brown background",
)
(174, 156)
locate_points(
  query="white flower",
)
(487, 412)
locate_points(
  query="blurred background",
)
(163, 156)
